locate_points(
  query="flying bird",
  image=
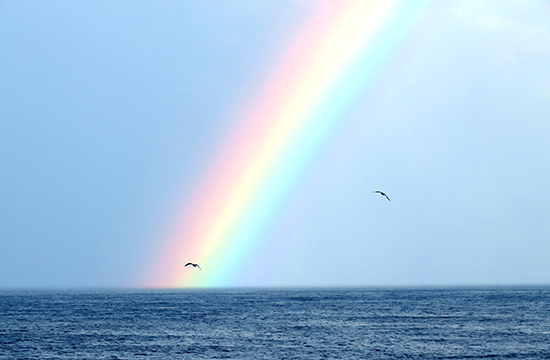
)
(382, 193)
(193, 265)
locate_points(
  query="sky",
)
(113, 113)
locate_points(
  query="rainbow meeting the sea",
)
(336, 53)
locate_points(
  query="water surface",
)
(475, 323)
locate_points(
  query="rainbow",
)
(337, 53)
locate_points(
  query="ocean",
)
(408, 323)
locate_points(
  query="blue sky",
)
(110, 110)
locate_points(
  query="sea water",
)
(474, 323)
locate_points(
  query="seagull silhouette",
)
(193, 265)
(382, 193)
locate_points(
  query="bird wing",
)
(387, 197)
(188, 264)
(199, 267)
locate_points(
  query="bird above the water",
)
(382, 193)
(193, 265)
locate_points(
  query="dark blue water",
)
(509, 323)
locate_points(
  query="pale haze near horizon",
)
(110, 112)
